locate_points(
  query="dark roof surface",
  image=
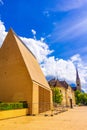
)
(56, 82)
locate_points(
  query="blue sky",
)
(55, 31)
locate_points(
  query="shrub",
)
(11, 106)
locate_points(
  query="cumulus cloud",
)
(59, 68)
(66, 69)
(51, 66)
(76, 59)
(39, 48)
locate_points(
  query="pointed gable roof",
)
(56, 83)
(30, 61)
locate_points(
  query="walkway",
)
(73, 119)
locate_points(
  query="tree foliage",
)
(57, 95)
(81, 98)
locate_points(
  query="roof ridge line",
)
(23, 43)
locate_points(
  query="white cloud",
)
(1, 2)
(66, 5)
(39, 48)
(59, 68)
(70, 30)
(80, 28)
(42, 39)
(76, 58)
(51, 66)
(33, 31)
(65, 69)
(2, 32)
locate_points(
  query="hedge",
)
(11, 106)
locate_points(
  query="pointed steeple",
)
(77, 75)
(78, 83)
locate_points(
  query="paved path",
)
(73, 119)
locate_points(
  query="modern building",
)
(66, 90)
(21, 78)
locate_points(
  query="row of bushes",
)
(11, 106)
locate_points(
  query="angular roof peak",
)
(9, 34)
(11, 31)
(29, 59)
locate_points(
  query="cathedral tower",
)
(78, 83)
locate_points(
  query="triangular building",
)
(21, 78)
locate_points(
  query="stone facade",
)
(21, 76)
(66, 90)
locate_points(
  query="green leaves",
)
(57, 96)
(81, 98)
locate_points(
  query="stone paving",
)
(73, 119)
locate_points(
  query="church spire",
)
(78, 83)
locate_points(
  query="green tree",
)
(81, 98)
(57, 95)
